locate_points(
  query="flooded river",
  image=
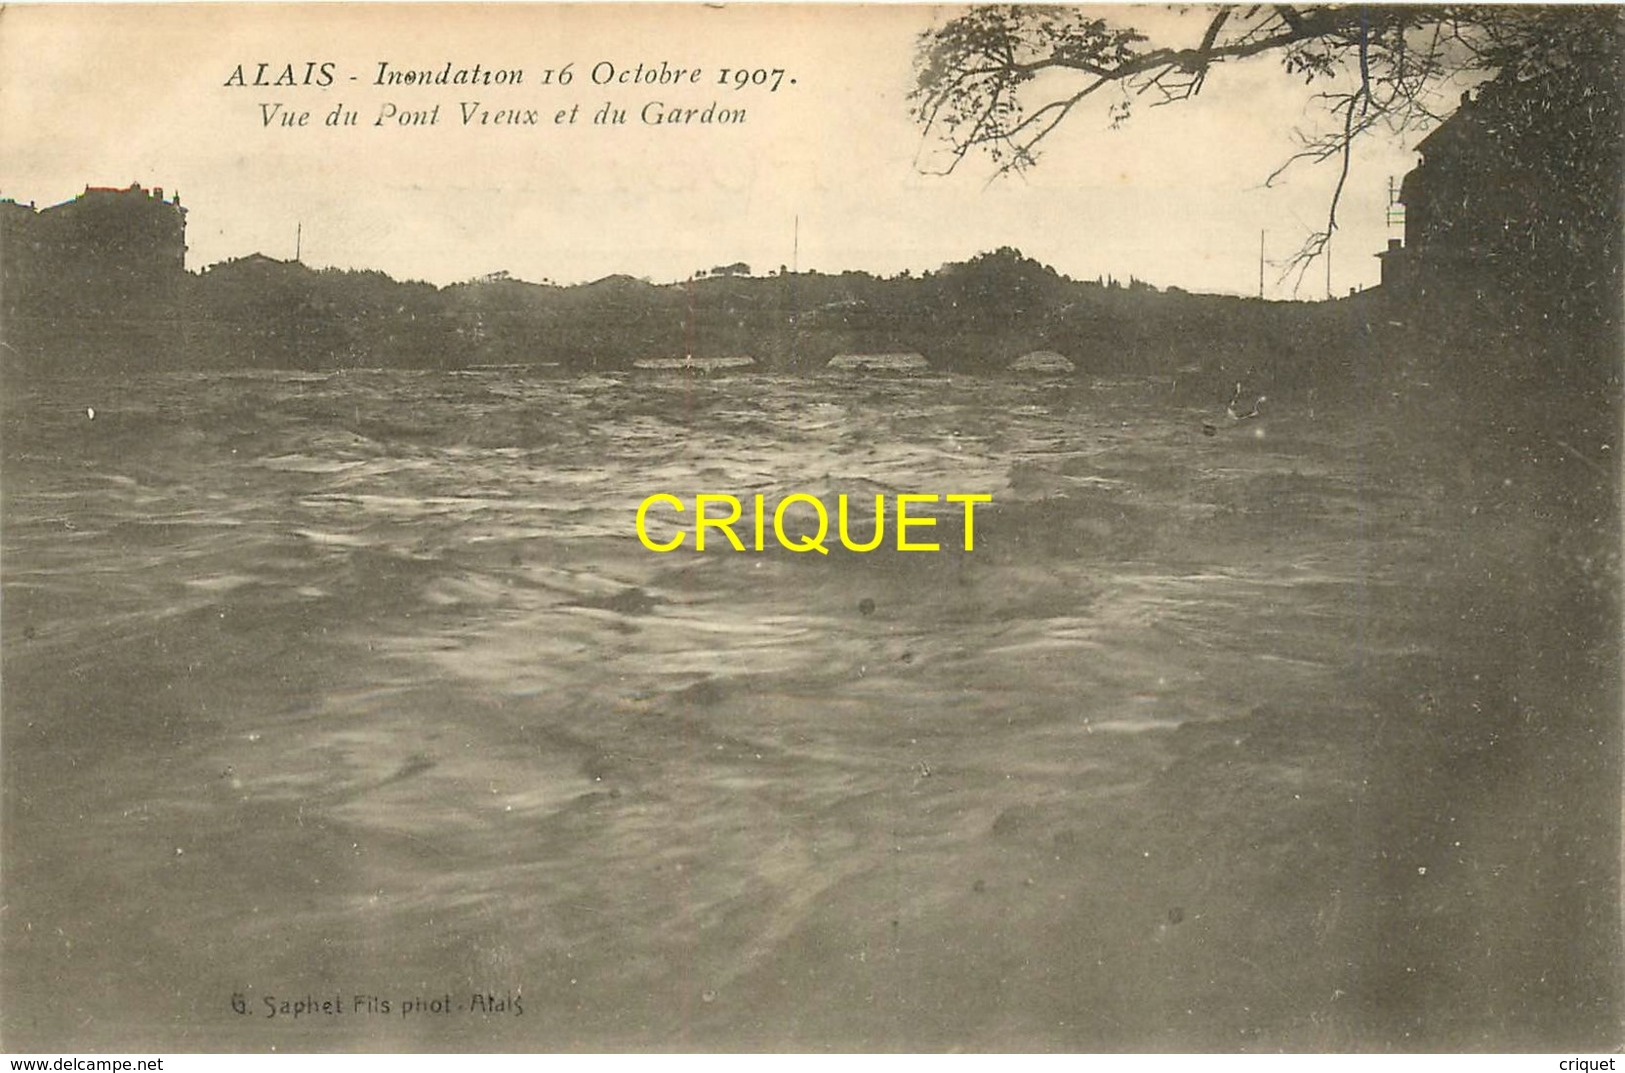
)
(356, 697)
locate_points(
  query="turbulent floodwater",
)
(361, 686)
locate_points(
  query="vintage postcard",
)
(809, 528)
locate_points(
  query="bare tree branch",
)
(1000, 81)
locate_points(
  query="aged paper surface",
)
(1110, 632)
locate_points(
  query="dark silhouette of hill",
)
(974, 316)
(256, 311)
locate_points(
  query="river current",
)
(338, 694)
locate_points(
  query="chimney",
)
(1395, 244)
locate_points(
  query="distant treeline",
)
(976, 316)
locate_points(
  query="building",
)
(107, 252)
(1515, 203)
(94, 282)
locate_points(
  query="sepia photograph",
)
(717, 528)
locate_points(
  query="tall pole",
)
(298, 239)
(1328, 268)
(795, 268)
(1261, 264)
(688, 324)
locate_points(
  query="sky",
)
(828, 172)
